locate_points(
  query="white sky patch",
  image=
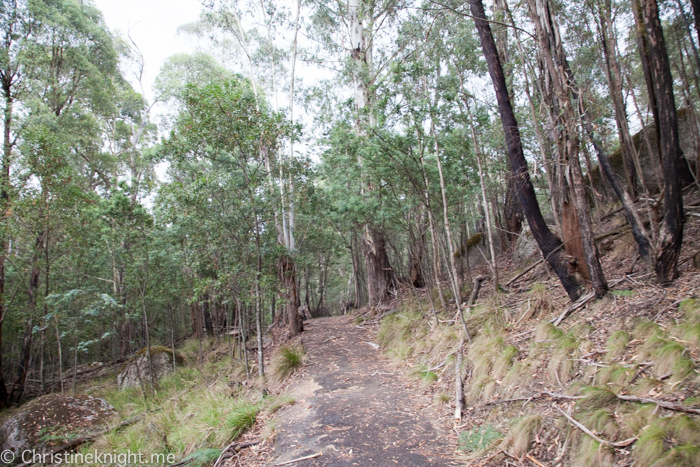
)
(152, 24)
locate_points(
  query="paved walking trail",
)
(354, 408)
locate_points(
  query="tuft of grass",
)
(539, 302)
(241, 417)
(425, 374)
(441, 399)
(522, 432)
(479, 439)
(617, 344)
(194, 412)
(286, 361)
(565, 349)
(596, 398)
(519, 376)
(650, 446)
(601, 421)
(273, 404)
(645, 329)
(669, 356)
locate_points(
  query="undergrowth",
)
(638, 357)
(193, 414)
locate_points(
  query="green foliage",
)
(203, 456)
(482, 438)
(241, 417)
(287, 360)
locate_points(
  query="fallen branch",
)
(533, 266)
(581, 302)
(459, 390)
(539, 395)
(299, 459)
(661, 403)
(577, 424)
(535, 461)
(231, 449)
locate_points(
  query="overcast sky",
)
(153, 25)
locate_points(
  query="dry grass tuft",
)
(617, 344)
(521, 434)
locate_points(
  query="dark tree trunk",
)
(25, 354)
(416, 254)
(644, 52)
(671, 235)
(512, 211)
(381, 282)
(5, 210)
(546, 240)
(208, 325)
(285, 269)
(23, 365)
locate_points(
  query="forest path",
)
(354, 408)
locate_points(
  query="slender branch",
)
(577, 424)
(467, 15)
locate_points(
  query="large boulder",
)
(51, 421)
(650, 161)
(138, 366)
(525, 246)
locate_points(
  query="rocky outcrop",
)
(139, 368)
(51, 421)
(650, 161)
(525, 246)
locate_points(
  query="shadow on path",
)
(354, 409)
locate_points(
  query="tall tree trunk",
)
(477, 152)
(4, 215)
(381, 282)
(456, 278)
(416, 253)
(557, 64)
(548, 242)
(433, 236)
(671, 234)
(614, 78)
(286, 270)
(258, 298)
(206, 314)
(25, 354)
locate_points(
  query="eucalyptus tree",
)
(58, 63)
(546, 240)
(229, 129)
